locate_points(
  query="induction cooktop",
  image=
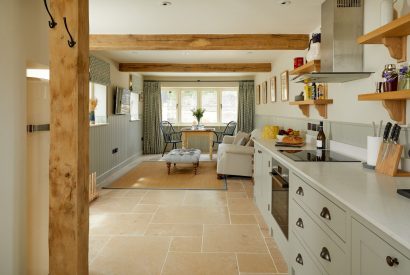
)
(317, 156)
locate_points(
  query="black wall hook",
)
(51, 23)
(71, 42)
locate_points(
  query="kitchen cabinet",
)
(319, 224)
(371, 255)
(301, 261)
(262, 188)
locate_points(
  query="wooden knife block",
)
(389, 166)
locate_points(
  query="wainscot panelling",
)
(120, 133)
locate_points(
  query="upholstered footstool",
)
(183, 156)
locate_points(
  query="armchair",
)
(235, 160)
(170, 135)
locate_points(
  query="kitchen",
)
(328, 211)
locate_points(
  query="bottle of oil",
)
(321, 138)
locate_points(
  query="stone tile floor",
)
(181, 232)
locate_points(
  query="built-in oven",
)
(280, 195)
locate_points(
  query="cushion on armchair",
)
(241, 138)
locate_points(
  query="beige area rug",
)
(154, 175)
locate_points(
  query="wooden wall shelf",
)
(312, 66)
(393, 102)
(320, 105)
(392, 35)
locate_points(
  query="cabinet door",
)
(266, 186)
(257, 168)
(371, 255)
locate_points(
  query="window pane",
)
(169, 105)
(188, 102)
(134, 98)
(99, 93)
(229, 106)
(209, 100)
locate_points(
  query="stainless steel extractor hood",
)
(341, 56)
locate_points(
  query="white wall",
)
(12, 139)
(346, 107)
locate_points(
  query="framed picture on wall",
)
(258, 95)
(265, 92)
(273, 89)
(284, 86)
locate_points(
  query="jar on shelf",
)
(391, 78)
(404, 78)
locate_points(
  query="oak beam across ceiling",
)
(195, 68)
(128, 42)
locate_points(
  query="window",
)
(169, 105)
(221, 104)
(229, 106)
(209, 101)
(134, 101)
(98, 102)
(189, 101)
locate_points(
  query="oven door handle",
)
(279, 180)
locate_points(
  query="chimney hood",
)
(341, 56)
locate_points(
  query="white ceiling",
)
(201, 17)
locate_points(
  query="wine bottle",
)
(321, 138)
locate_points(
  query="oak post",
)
(68, 174)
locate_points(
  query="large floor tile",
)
(235, 185)
(187, 230)
(233, 238)
(242, 206)
(168, 197)
(255, 263)
(113, 204)
(200, 264)
(243, 219)
(96, 243)
(205, 198)
(191, 214)
(186, 244)
(145, 208)
(280, 263)
(119, 224)
(131, 255)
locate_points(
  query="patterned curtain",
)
(152, 117)
(246, 106)
(99, 71)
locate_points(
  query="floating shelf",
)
(393, 102)
(320, 105)
(312, 66)
(393, 35)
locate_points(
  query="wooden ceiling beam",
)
(195, 68)
(128, 42)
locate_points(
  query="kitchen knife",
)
(389, 141)
(386, 137)
(397, 135)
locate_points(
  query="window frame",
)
(199, 90)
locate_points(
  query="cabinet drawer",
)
(328, 212)
(371, 255)
(325, 251)
(300, 261)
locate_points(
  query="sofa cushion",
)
(241, 138)
(250, 143)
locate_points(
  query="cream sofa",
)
(235, 160)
